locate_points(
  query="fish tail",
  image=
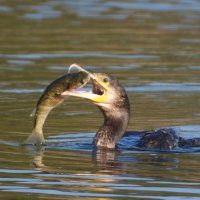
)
(35, 139)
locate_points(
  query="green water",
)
(152, 47)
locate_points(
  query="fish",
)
(51, 98)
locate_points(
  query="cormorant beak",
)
(98, 93)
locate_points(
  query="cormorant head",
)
(106, 89)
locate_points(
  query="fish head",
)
(77, 80)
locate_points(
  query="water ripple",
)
(150, 87)
(59, 192)
(18, 171)
(163, 189)
(184, 5)
(21, 91)
(77, 55)
(97, 9)
(166, 87)
(5, 9)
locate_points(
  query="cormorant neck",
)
(116, 118)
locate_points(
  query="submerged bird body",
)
(113, 102)
(51, 98)
(161, 139)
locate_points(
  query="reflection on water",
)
(111, 174)
(153, 49)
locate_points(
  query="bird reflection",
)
(109, 159)
(100, 171)
(105, 160)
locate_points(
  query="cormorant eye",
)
(105, 80)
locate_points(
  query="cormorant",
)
(111, 98)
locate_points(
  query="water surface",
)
(152, 47)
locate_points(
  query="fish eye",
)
(105, 80)
(82, 82)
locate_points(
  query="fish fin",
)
(33, 113)
(80, 69)
(35, 139)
